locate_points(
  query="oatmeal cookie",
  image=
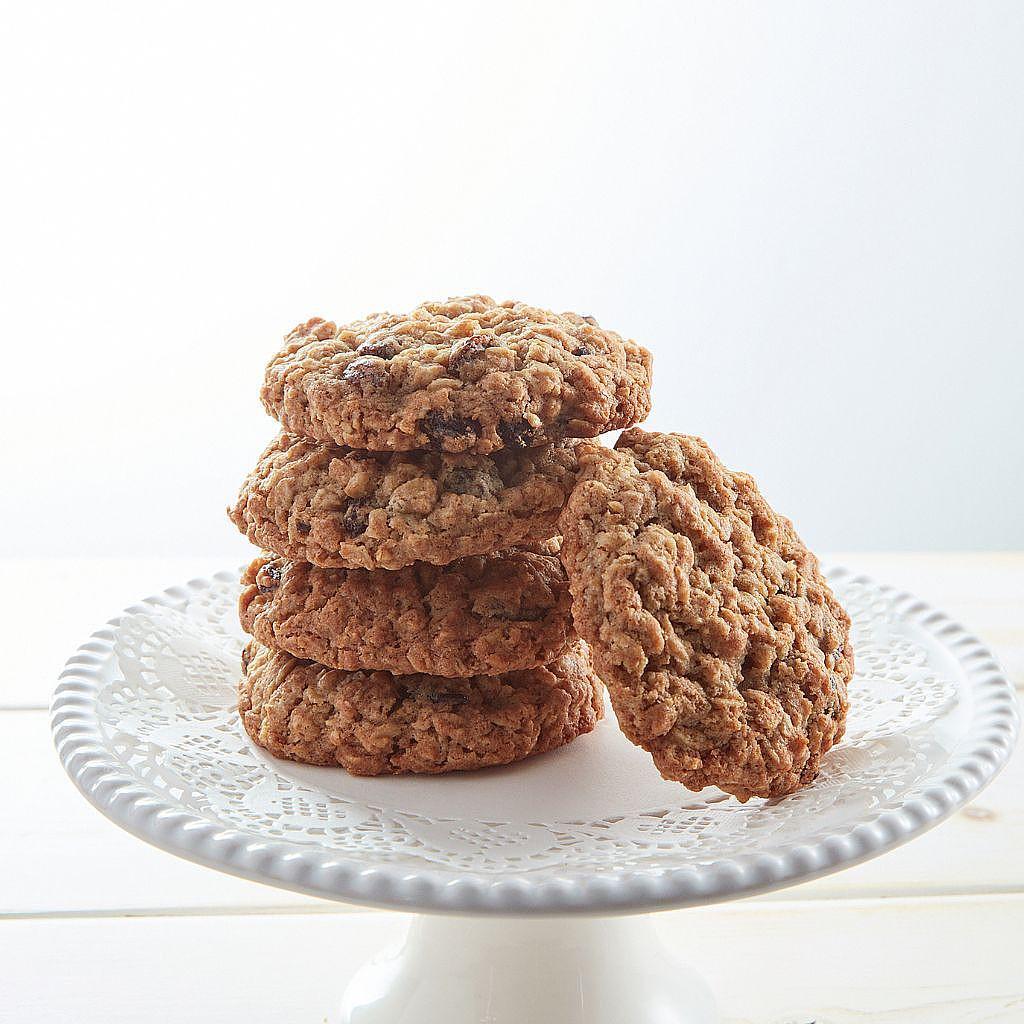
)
(339, 508)
(725, 653)
(480, 615)
(374, 723)
(466, 375)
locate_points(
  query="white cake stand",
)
(522, 876)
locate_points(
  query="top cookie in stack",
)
(433, 435)
(466, 375)
(413, 614)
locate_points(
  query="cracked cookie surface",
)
(478, 615)
(374, 723)
(725, 653)
(464, 375)
(340, 508)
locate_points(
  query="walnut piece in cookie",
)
(465, 375)
(338, 508)
(478, 615)
(374, 723)
(725, 653)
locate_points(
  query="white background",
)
(812, 213)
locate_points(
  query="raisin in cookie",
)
(374, 723)
(466, 375)
(339, 508)
(724, 651)
(480, 615)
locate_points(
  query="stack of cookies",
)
(453, 569)
(410, 612)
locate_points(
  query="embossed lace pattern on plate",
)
(169, 720)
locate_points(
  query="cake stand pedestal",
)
(545, 971)
(524, 877)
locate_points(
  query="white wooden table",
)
(95, 926)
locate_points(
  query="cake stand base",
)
(477, 970)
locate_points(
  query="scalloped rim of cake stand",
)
(321, 872)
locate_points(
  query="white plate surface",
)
(144, 722)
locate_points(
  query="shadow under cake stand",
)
(528, 881)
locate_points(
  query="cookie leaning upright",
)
(725, 653)
(465, 375)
